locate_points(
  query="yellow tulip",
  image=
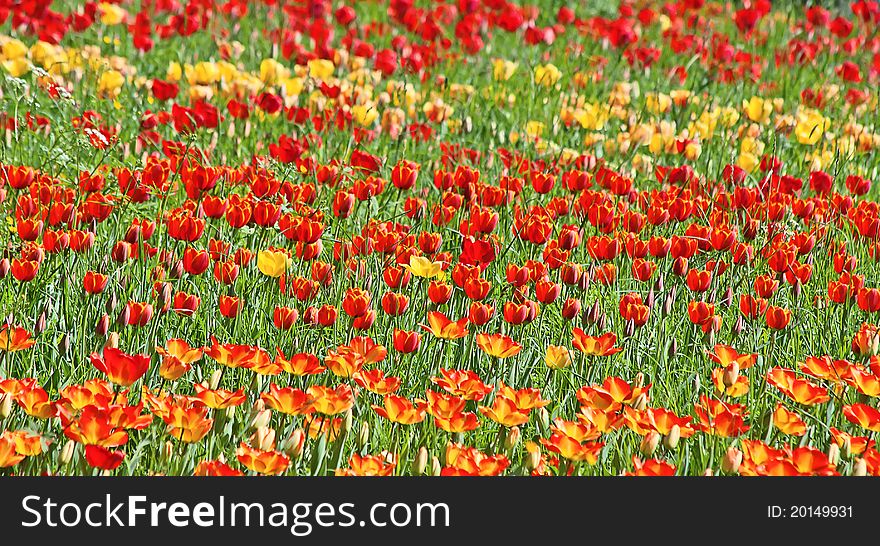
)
(423, 267)
(811, 128)
(364, 114)
(17, 67)
(557, 357)
(534, 129)
(174, 72)
(271, 71)
(321, 69)
(203, 73)
(110, 83)
(292, 86)
(13, 49)
(111, 14)
(758, 109)
(272, 263)
(502, 70)
(547, 75)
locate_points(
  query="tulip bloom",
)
(425, 268)
(15, 338)
(595, 346)
(444, 328)
(121, 368)
(272, 263)
(498, 345)
(557, 357)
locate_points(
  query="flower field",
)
(450, 237)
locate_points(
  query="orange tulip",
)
(9, 456)
(288, 400)
(571, 449)
(219, 398)
(464, 383)
(595, 346)
(459, 422)
(505, 412)
(262, 462)
(299, 364)
(93, 427)
(188, 421)
(724, 355)
(468, 461)
(376, 381)
(398, 409)
(15, 338)
(863, 415)
(329, 401)
(444, 328)
(788, 421)
(498, 345)
(230, 355)
(369, 465)
(119, 367)
(444, 406)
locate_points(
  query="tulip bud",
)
(421, 462)
(263, 439)
(123, 316)
(512, 438)
(649, 301)
(177, 270)
(296, 444)
(594, 313)
(649, 444)
(673, 348)
(67, 452)
(797, 289)
(603, 322)
(346, 423)
(638, 381)
(111, 304)
(544, 420)
(860, 467)
(102, 325)
(671, 439)
(641, 402)
(713, 295)
(261, 419)
(214, 380)
(435, 466)
(731, 461)
(5, 405)
(112, 340)
(363, 437)
(40, 324)
(658, 284)
(4, 267)
(64, 344)
(167, 451)
(533, 459)
(258, 406)
(667, 303)
(709, 472)
(834, 454)
(629, 329)
(846, 450)
(738, 325)
(727, 300)
(731, 374)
